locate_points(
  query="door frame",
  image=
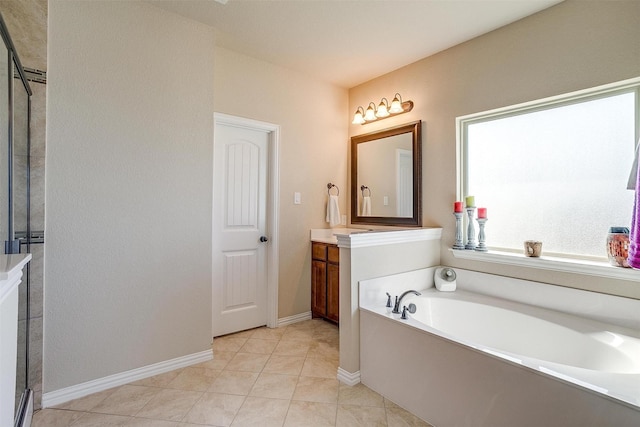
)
(403, 155)
(273, 186)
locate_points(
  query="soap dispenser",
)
(445, 279)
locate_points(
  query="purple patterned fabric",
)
(634, 236)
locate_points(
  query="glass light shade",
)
(370, 114)
(357, 118)
(396, 106)
(382, 109)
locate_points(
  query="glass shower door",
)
(4, 142)
(15, 105)
(19, 170)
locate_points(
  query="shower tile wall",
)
(27, 24)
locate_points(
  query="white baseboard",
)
(348, 378)
(294, 319)
(67, 394)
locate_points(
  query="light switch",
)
(386, 200)
(297, 199)
(344, 220)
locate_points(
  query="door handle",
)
(264, 239)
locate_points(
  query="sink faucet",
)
(396, 307)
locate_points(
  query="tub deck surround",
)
(365, 254)
(11, 272)
(600, 269)
(471, 364)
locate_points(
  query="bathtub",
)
(468, 358)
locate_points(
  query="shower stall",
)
(15, 227)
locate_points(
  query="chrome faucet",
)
(396, 307)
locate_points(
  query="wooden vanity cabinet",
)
(325, 281)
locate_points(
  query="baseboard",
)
(348, 378)
(67, 394)
(294, 319)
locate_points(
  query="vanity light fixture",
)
(382, 111)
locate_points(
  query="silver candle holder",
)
(482, 247)
(459, 242)
(471, 233)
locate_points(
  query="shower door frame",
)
(24, 408)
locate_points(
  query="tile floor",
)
(262, 377)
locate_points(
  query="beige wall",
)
(313, 151)
(128, 219)
(571, 46)
(130, 131)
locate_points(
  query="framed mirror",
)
(386, 176)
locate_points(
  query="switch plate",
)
(386, 200)
(344, 220)
(297, 198)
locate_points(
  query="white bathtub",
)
(471, 359)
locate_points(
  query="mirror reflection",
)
(386, 176)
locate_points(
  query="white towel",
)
(366, 206)
(333, 211)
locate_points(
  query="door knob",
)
(264, 239)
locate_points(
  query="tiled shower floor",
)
(262, 377)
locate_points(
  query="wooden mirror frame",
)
(415, 128)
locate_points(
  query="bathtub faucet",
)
(396, 307)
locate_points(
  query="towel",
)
(634, 236)
(333, 211)
(366, 206)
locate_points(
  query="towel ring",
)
(330, 186)
(364, 188)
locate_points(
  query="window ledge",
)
(565, 265)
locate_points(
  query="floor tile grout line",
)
(313, 335)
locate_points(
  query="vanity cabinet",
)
(325, 281)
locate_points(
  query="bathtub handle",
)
(388, 300)
(411, 309)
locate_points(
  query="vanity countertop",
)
(328, 235)
(361, 237)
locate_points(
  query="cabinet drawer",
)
(334, 254)
(319, 251)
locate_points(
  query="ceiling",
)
(348, 42)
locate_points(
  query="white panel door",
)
(239, 223)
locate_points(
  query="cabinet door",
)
(318, 288)
(333, 292)
(319, 251)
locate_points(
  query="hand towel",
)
(333, 211)
(366, 206)
(634, 236)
